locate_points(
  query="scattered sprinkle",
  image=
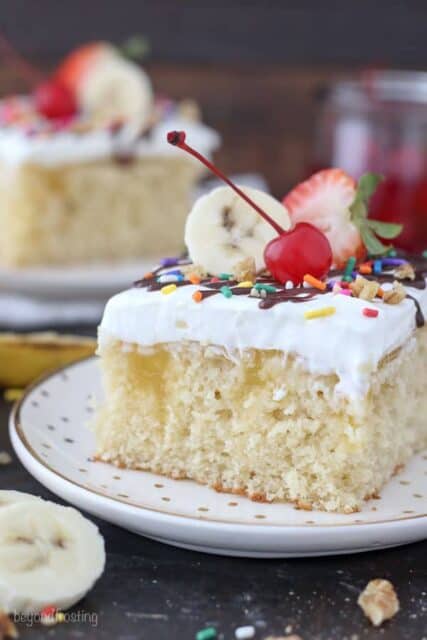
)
(365, 268)
(268, 288)
(206, 634)
(289, 285)
(314, 282)
(169, 262)
(319, 313)
(197, 296)
(194, 278)
(393, 262)
(378, 266)
(226, 292)
(225, 276)
(214, 279)
(245, 285)
(392, 253)
(5, 458)
(345, 292)
(10, 395)
(148, 275)
(370, 313)
(169, 278)
(169, 288)
(174, 272)
(242, 633)
(425, 254)
(348, 278)
(351, 263)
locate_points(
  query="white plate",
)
(50, 435)
(85, 281)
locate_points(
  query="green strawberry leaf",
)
(373, 245)
(367, 185)
(386, 230)
(135, 48)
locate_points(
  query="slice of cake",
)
(86, 174)
(268, 383)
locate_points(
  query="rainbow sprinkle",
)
(351, 263)
(268, 288)
(169, 288)
(226, 292)
(314, 282)
(319, 313)
(369, 312)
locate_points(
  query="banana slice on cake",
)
(117, 89)
(107, 85)
(49, 555)
(222, 229)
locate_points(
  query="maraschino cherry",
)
(293, 254)
(54, 100)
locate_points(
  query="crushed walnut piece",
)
(405, 272)
(379, 601)
(396, 294)
(196, 269)
(7, 627)
(5, 458)
(302, 505)
(245, 270)
(364, 289)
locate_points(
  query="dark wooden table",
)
(150, 591)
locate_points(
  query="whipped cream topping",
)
(18, 146)
(347, 343)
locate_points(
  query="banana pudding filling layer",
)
(285, 360)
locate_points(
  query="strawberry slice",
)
(332, 202)
(324, 200)
(77, 64)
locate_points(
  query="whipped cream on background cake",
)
(17, 146)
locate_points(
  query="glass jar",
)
(379, 123)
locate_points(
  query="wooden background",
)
(256, 67)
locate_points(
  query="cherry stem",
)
(177, 138)
(27, 70)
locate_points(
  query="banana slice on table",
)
(24, 357)
(49, 555)
(117, 89)
(8, 498)
(222, 229)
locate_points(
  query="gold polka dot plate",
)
(50, 434)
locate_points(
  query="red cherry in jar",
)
(53, 100)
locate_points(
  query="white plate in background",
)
(96, 281)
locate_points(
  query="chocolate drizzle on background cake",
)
(270, 293)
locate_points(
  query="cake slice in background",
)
(263, 378)
(86, 174)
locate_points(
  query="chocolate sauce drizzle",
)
(269, 299)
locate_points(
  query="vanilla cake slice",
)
(260, 392)
(258, 370)
(85, 172)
